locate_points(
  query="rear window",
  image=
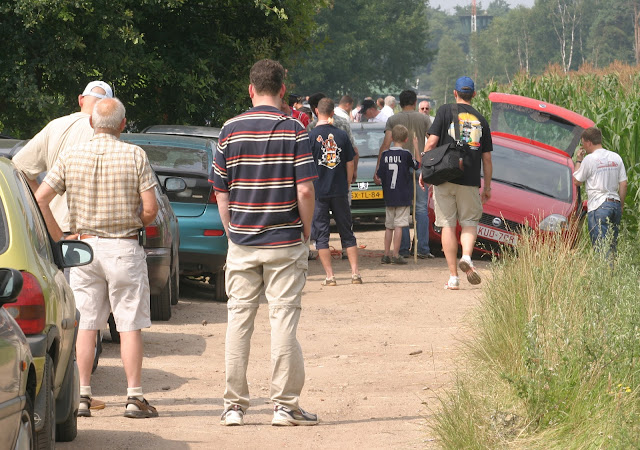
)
(531, 124)
(368, 141)
(192, 165)
(179, 158)
(531, 173)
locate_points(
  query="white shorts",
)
(396, 217)
(116, 281)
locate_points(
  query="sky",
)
(448, 5)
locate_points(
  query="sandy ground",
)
(377, 355)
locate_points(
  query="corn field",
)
(610, 97)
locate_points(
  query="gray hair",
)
(390, 100)
(108, 113)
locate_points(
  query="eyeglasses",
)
(424, 109)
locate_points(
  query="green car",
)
(45, 309)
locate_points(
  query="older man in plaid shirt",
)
(109, 186)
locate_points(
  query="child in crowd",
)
(397, 186)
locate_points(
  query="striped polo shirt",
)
(261, 156)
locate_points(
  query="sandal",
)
(329, 282)
(144, 409)
(356, 279)
(84, 408)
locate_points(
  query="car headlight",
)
(554, 223)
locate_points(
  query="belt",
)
(91, 236)
(612, 200)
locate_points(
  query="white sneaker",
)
(453, 284)
(466, 266)
(233, 416)
(285, 417)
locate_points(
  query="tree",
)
(449, 65)
(363, 47)
(170, 61)
(565, 16)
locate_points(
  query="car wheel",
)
(221, 293)
(115, 336)
(175, 287)
(68, 430)
(98, 352)
(26, 432)
(46, 437)
(161, 304)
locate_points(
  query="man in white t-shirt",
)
(389, 106)
(40, 153)
(344, 108)
(370, 113)
(605, 179)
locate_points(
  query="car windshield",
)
(368, 141)
(531, 124)
(178, 158)
(531, 173)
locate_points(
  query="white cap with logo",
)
(102, 85)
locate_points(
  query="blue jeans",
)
(421, 216)
(602, 221)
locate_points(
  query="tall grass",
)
(555, 358)
(610, 97)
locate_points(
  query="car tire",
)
(98, 352)
(46, 438)
(175, 286)
(161, 303)
(115, 336)
(221, 292)
(26, 433)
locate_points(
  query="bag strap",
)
(456, 121)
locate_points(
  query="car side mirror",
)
(72, 253)
(10, 285)
(174, 184)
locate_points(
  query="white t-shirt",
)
(381, 117)
(387, 111)
(41, 153)
(602, 172)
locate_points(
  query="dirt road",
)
(376, 357)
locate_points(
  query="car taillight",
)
(213, 232)
(212, 197)
(29, 309)
(152, 231)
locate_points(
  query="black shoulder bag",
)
(444, 163)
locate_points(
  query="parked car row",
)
(44, 309)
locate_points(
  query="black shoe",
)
(427, 256)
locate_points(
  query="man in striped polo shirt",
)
(263, 176)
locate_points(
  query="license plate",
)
(497, 235)
(366, 195)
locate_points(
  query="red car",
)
(532, 183)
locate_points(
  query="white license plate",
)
(497, 235)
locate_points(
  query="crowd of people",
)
(279, 170)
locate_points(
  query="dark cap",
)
(465, 85)
(367, 104)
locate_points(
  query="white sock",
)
(467, 258)
(85, 391)
(137, 393)
(453, 278)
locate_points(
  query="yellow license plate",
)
(366, 195)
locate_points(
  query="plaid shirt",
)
(103, 179)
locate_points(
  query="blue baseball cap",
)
(465, 84)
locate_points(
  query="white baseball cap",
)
(101, 85)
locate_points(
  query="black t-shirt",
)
(474, 130)
(331, 150)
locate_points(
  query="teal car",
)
(203, 242)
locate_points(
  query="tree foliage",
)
(363, 47)
(170, 61)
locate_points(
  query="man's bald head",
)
(108, 114)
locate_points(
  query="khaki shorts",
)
(116, 281)
(455, 203)
(396, 217)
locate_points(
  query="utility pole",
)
(474, 27)
(472, 38)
